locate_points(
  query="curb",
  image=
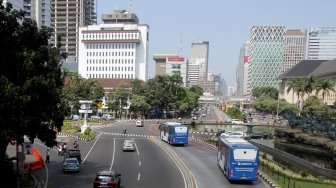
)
(204, 143)
(267, 180)
(73, 136)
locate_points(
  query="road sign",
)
(100, 105)
(85, 111)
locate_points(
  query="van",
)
(107, 117)
(139, 123)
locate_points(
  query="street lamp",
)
(277, 115)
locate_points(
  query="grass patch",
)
(88, 134)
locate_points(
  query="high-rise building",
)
(242, 70)
(198, 63)
(16, 4)
(66, 18)
(38, 10)
(266, 56)
(294, 45)
(320, 43)
(114, 50)
(169, 64)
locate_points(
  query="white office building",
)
(320, 43)
(169, 64)
(116, 49)
(198, 63)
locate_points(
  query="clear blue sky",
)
(225, 24)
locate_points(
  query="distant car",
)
(71, 165)
(128, 145)
(107, 117)
(74, 153)
(237, 121)
(262, 135)
(139, 123)
(95, 117)
(75, 117)
(233, 134)
(107, 178)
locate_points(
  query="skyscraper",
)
(320, 43)
(38, 10)
(198, 63)
(242, 70)
(66, 18)
(266, 56)
(294, 45)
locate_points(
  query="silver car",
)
(128, 145)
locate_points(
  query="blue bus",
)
(174, 133)
(238, 159)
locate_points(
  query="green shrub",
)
(321, 178)
(193, 124)
(264, 156)
(304, 174)
(88, 131)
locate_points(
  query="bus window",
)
(244, 154)
(181, 130)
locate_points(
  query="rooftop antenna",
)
(130, 6)
(179, 52)
(116, 7)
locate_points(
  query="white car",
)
(128, 145)
(139, 123)
(237, 121)
(233, 134)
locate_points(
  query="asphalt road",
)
(149, 166)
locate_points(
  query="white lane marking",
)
(136, 147)
(113, 154)
(139, 163)
(91, 149)
(139, 177)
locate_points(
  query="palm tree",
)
(325, 85)
(310, 84)
(297, 86)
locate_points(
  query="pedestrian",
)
(47, 156)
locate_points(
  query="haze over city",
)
(225, 24)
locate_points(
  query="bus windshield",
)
(181, 130)
(245, 154)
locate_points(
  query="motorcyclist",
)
(65, 147)
(124, 130)
(76, 146)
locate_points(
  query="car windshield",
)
(104, 178)
(71, 161)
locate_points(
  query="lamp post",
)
(277, 113)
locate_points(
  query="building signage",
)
(176, 59)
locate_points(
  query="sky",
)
(225, 24)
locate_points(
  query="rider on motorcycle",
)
(76, 146)
(124, 130)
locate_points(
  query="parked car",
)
(71, 165)
(139, 123)
(107, 178)
(128, 145)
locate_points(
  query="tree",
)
(30, 82)
(267, 91)
(315, 107)
(325, 86)
(297, 85)
(77, 88)
(310, 84)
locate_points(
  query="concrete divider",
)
(35, 164)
